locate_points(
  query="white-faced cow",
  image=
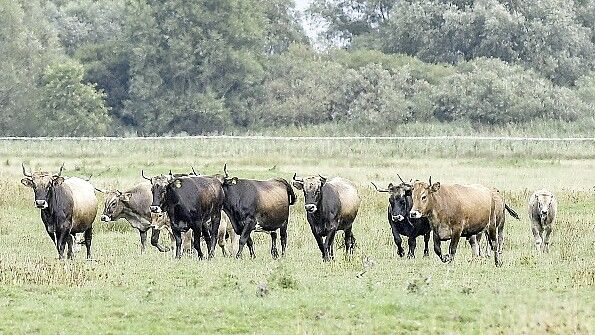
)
(330, 206)
(68, 206)
(543, 207)
(191, 202)
(461, 210)
(399, 206)
(261, 205)
(133, 205)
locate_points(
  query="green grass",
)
(123, 291)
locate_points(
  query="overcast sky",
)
(302, 4)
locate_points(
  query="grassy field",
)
(123, 291)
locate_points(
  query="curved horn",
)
(142, 173)
(379, 189)
(25, 171)
(170, 173)
(225, 170)
(99, 190)
(401, 179)
(192, 167)
(430, 180)
(301, 180)
(60, 172)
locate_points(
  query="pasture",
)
(124, 291)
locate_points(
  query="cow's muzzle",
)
(155, 209)
(41, 204)
(310, 208)
(398, 217)
(414, 214)
(106, 218)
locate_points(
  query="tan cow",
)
(543, 208)
(461, 210)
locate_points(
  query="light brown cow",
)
(543, 208)
(461, 210)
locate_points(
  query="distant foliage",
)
(86, 67)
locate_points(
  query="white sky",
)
(302, 4)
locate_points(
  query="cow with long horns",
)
(133, 205)
(330, 205)
(191, 202)
(261, 205)
(399, 205)
(461, 210)
(68, 206)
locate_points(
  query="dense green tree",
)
(68, 106)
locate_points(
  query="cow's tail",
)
(290, 194)
(512, 212)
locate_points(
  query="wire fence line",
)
(308, 138)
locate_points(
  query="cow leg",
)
(208, 240)
(493, 238)
(349, 241)
(250, 244)
(178, 237)
(398, 240)
(69, 242)
(283, 234)
(215, 222)
(473, 242)
(547, 231)
(536, 228)
(155, 233)
(196, 233)
(426, 242)
(222, 241)
(88, 238)
(411, 242)
(244, 237)
(437, 245)
(61, 243)
(478, 240)
(452, 248)
(274, 251)
(143, 240)
(330, 239)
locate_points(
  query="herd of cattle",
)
(190, 206)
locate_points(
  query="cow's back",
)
(472, 204)
(205, 190)
(141, 199)
(84, 200)
(273, 200)
(348, 197)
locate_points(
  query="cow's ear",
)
(390, 185)
(126, 196)
(298, 185)
(177, 183)
(27, 182)
(234, 180)
(435, 187)
(58, 181)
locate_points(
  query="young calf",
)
(399, 206)
(543, 207)
(330, 206)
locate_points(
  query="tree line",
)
(113, 67)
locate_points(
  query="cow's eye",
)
(423, 197)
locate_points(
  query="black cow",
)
(261, 205)
(330, 206)
(68, 206)
(399, 206)
(191, 202)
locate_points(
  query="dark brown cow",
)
(460, 210)
(330, 206)
(261, 205)
(68, 206)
